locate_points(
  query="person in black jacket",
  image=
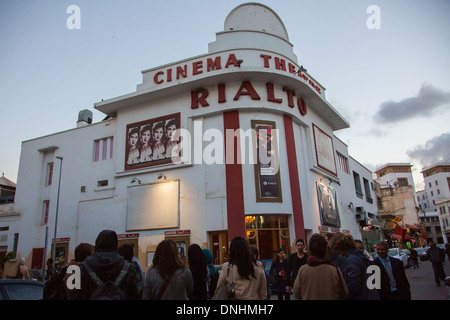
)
(295, 261)
(394, 283)
(107, 265)
(436, 256)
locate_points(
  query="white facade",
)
(437, 183)
(249, 74)
(395, 174)
(443, 212)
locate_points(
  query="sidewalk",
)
(422, 282)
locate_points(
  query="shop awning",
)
(414, 227)
(396, 236)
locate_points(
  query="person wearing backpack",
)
(105, 275)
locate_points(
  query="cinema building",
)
(245, 101)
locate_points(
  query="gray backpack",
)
(108, 290)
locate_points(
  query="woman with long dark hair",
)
(247, 279)
(199, 271)
(168, 279)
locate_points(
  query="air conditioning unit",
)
(360, 210)
(360, 217)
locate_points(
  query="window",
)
(343, 163)
(102, 183)
(367, 190)
(358, 189)
(103, 149)
(402, 182)
(49, 177)
(435, 181)
(45, 209)
(438, 192)
(432, 194)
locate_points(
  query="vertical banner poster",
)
(328, 206)
(267, 173)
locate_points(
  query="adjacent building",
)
(398, 209)
(236, 142)
(434, 200)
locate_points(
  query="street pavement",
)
(422, 282)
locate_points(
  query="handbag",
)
(341, 286)
(226, 292)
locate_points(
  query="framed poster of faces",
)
(151, 142)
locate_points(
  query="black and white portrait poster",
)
(151, 142)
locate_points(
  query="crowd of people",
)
(331, 268)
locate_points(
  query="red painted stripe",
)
(233, 174)
(296, 196)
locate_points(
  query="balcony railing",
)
(7, 199)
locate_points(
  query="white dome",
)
(255, 17)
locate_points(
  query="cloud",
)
(425, 104)
(434, 150)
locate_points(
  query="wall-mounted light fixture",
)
(162, 176)
(350, 206)
(136, 180)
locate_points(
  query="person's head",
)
(49, 262)
(133, 137)
(166, 259)
(196, 256)
(126, 251)
(382, 249)
(145, 135)
(83, 251)
(341, 243)
(21, 261)
(318, 246)
(158, 131)
(254, 254)
(106, 241)
(431, 243)
(240, 256)
(300, 245)
(359, 244)
(281, 255)
(171, 126)
(328, 236)
(209, 259)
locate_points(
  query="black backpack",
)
(108, 290)
(54, 286)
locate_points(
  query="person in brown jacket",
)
(249, 280)
(319, 279)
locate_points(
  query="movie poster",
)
(328, 206)
(152, 142)
(267, 174)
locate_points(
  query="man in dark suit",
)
(394, 284)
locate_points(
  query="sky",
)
(391, 83)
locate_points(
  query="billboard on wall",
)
(328, 206)
(151, 142)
